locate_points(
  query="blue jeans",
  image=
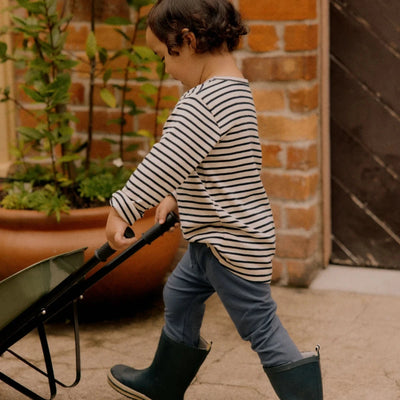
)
(249, 304)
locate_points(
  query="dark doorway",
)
(365, 132)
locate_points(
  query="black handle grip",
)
(158, 229)
(106, 250)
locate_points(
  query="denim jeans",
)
(249, 304)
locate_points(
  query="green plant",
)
(137, 60)
(54, 171)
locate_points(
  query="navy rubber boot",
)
(174, 367)
(299, 380)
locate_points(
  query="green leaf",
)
(68, 158)
(66, 64)
(103, 55)
(145, 53)
(33, 94)
(148, 89)
(163, 116)
(116, 121)
(132, 147)
(34, 7)
(160, 69)
(148, 100)
(118, 21)
(107, 75)
(111, 141)
(123, 34)
(3, 50)
(170, 98)
(145, 133)
(138, 4)
(66, 133)
(91, 46)
(108, 98)
(30, 133)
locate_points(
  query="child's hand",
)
(164, 208)
(115, 230)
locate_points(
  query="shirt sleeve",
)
(189, 135)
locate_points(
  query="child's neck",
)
(220, 64)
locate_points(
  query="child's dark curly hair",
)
(213, 22)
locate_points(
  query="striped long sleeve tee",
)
(209, 158)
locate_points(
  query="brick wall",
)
(280, 57)
(107, 37)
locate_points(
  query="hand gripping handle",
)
(151, 234)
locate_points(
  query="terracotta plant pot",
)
(29, 236)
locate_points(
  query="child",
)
(207, 166)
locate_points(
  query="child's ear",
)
(189, 38)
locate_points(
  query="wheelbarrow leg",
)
(49, 373)
(49, 367)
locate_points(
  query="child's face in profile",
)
(183, 67)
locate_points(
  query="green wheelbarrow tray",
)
(19, 291)
(32, 296)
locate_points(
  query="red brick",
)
(301, 37)
(152, 74)
(100, 149)
(77, 93)
(301, 272)
(283, 68)
(301, 217)
(304, 100)
(26, 118)
(268, 100)
(82, 70)
(119, 66)
(277, 269)
(302, 158)
(77, 35)
(22, 96)
(288, 186)
(147, 121)
(277, 213)
(172, 94)
(278, 10)
(134, 156)
(263, 38)
(286, 129)
(271, 155)
(107, 37)
(81, 10)
(140, 36)
(295, 246)
(134, 94)
(113, 114)
(101, 118)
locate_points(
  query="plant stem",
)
(125, 87)
(158, 102)
(91, 94)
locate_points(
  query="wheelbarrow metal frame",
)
(65, 294)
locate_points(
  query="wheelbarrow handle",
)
(149, 236)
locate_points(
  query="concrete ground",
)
(358, 333)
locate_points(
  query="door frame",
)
(325, 145)
(7, 109)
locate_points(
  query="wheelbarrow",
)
(29, 298)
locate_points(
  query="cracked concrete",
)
(358, 334)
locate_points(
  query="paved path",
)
(359, 336)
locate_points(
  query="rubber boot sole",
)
(125, 390)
